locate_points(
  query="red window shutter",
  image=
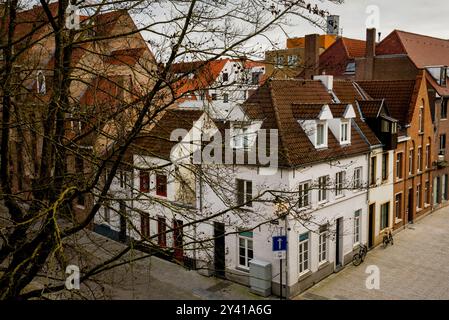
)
(161, 185)
(144, 181)
(161, 235)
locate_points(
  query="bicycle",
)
(358, 258)
(388, 238)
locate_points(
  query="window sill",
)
(79, 206)
(339, 197)
(304, 275)
(426, 205)
(419, 210)
(322, 203)
(323, 264)
(396, 221)
(242, 268)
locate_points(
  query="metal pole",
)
(280, 282)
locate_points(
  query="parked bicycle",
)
(358, 258)
(388, 238)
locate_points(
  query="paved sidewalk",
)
(415, 267)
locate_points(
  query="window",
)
(255, 78)
(442, 144)
(202, 95)
(123, 178)
(373, 171)
(245, 248)
(384, 215)
(280, 61)
(399, 165)
(398, 206)
(323, 244)
(427, 156)
(241, 137)
(304, 195)
(443, 113)
(303, 253)
(322, 188)
(421, 119)
(244, 192)
(385, 126)
(419, 159)
(344, 138)
(225, 76)
(385, 166)
(357, 226)
(443, 76)
(144, 178)
(320, 134)
(161, 185)
(81, 199)
(106, 213)
(292, 60)
(358, 178)
(225, 98)
(40, 83)
(161, 229)
(418, 196)
(411, 162)
(214, 96)
(427, 193)
(444, 188)
(145, 225)
(339, 181)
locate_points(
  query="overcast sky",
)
(428, 17)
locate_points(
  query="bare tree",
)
(74, 101)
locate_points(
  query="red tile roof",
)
(278, 101)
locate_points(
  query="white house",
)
(221, 215)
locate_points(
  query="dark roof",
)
(398, 96)
(370, 108)
(278, 102)
(157, 142)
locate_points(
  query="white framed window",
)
(320, 135)
(411, 161)
(280, 61)
(421, 119)
(357, 226)
(304, 194)
(225, 97)
(241, 137)
(322, 188)
(303, 252)
(339, 183)
(358, 178)
(344, 132)
(419, 159)
(418, 196)
(323, 245)
(427, 156)
(427, 193)
(292, 60)
(244, 192)
(398, 206)
(246, 253)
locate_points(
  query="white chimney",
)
(326, 80)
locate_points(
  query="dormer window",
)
(40, 83)
(225, 77)
(344, 132)
(321, 135)
(439, 73)
(241, 137)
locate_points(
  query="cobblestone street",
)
(415, 267)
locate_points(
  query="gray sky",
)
(428, 17)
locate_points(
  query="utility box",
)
(260, 277)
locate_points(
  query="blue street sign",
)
(280, 243)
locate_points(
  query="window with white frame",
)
(245, 248)
(241, 137)
(398, 206)
(322, 188)
(303, 252)
(320, 135)
(344, 128)
(357, 226)
(419, 159)
(280, 61)
(421, 119)
(358, 178)
(40, 83)
(339, 183)
(427, 193)
(427, 156)
(323, 246)
(411, 161)
(244, 192)
(225, 97)
(304, 194)
(418, 196)
(292, 60)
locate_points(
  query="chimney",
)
(312, 54)
(370, 53)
